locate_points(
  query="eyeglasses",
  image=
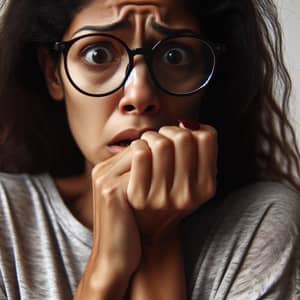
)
(99, 64)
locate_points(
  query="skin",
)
(134, 197)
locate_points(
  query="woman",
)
(118, 192)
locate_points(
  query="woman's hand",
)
(173, 172)
(116, 247)
(145, 191)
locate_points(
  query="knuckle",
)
(147, 134)
(106, 188)
(159, 205)
(210, 189)
(141, 153)
(212, 136)
(97, 170)
(208, 136)
(167, 129)
(162, 199)
(184, 137)
(162, 145)
(138, 202)
(202, 136)
(186, 200)
(109, 191)
(136, 198)
(99, 182)
(112, 197)
(212, 130)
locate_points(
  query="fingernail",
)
(190, 124)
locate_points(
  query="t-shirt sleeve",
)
(252, 252)
(2, 296)
(269, 262)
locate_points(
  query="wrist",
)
(161, 273)
(160, 249)
(105, 289)
(103, 283)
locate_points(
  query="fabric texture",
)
(244, 247)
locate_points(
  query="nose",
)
(139, 96)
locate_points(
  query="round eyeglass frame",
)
(64, 47)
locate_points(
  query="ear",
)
(50, 69)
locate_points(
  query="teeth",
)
(124, 143)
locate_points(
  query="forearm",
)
(161, 274)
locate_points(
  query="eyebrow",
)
(104, 28)
(167, 31)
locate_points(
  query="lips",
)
(125, 138)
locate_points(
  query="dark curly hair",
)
(246, 101)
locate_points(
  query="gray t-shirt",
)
(243, 247)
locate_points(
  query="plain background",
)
(289, 11)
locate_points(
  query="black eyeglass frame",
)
(63, 47)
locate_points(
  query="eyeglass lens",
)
(98, 64)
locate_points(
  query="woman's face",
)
(102, 125)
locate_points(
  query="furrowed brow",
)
(104, 28)
(169, 31)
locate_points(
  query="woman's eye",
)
(176, 56)
(97, 55)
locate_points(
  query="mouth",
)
(124, 138)
(124, 143)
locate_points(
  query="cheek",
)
(185, 107)
(87, 118)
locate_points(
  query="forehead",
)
(171, 13)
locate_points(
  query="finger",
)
(162, 150)
(140, 174)
(198, 129)
(207, 148)
(115, 165)
(118, 230)
(106, 176)
(105, 191)
(185, 163)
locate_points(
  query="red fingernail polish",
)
(190, 124)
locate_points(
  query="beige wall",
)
(289, 11)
